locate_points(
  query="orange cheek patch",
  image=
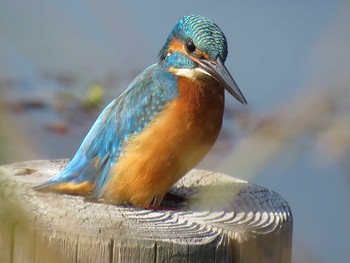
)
(176, 45)
(203, 55)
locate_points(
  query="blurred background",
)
(61, 62)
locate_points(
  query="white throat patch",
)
(194, 73)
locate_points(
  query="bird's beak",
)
(218, 71)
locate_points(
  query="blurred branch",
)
(321, 115)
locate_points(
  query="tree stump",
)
(228, 220)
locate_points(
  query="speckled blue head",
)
(197, 47)
(206, 36)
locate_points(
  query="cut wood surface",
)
(227, 220)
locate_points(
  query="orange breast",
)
(173, 143)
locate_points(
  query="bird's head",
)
(197, 48)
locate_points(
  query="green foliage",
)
(94, 97)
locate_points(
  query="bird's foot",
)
(169, 197)
(171, 202)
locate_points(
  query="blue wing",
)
(127, 115)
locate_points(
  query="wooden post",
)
(228, 220)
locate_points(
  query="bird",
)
(160, 127)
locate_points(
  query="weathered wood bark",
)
(228, 220)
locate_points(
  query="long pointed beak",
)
(218, 71)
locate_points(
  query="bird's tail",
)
(76, 178)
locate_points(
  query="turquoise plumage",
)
(190, 70)
(102, 146)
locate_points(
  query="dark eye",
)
(190, 45)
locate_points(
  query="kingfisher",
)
(161, 126)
